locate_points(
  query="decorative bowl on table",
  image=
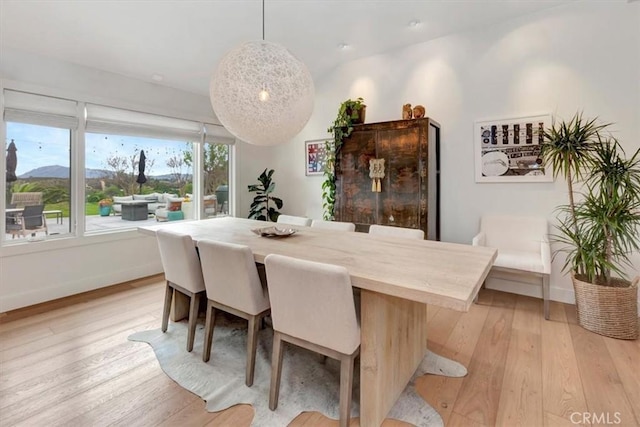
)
(274, 231)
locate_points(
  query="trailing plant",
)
(349, 114)
(602, 229)
(260, 208)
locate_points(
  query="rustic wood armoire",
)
(409, 191)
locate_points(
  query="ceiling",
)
(182, 40)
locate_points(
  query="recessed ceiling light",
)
(414, 23)
(157, 77)
(343, 46)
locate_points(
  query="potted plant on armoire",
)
(350, 112)
(599, 229)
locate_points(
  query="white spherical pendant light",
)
(261, 93)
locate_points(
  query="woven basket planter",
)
(611, 311)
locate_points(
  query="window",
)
(39, 135)
(83, 163)
(116, 186)
(114, 194)
(216, 171)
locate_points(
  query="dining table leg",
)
(393, 335)
(179, 306)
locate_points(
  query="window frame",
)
(77, 235)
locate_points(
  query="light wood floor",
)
(68, 363)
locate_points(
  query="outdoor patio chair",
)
(30, 221)
(20, 200)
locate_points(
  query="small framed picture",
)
(315, 156)
(508, 150)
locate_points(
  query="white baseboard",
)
(36, 296)
(532, 287)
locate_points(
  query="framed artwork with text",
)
(508, 150)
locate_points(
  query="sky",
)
(46, 146)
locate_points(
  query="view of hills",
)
(57, 171)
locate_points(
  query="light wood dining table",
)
(398, 278)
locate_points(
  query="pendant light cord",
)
(262, 20)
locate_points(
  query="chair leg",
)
(208, 331)
(193, 318)
(254, 325)
(545, 295)
(168, 296)
(276, 367)
(346, 385)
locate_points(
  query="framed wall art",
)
(315, 156)
(508, 150)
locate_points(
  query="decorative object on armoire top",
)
(419, 112)
(260, 208)
(407, 112)
(600, 232)
(351, 112)
(409, 188)
(376, 173)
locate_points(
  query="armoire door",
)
(355, 202)
(399, 199)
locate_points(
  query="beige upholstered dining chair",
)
(389, 231)
(233, 285)
(312, 307)
(183, 273)
(294, 220)
(333, 225)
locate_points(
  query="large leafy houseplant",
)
(261, 208)
(350, 112)
(601, 229)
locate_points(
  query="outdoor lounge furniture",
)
(135, 210)
(155, 201)
(171, 210)
(30, 221)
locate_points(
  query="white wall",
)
(584, 56)
(42, 271)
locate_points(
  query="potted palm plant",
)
(600, 230)
(350, 112)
